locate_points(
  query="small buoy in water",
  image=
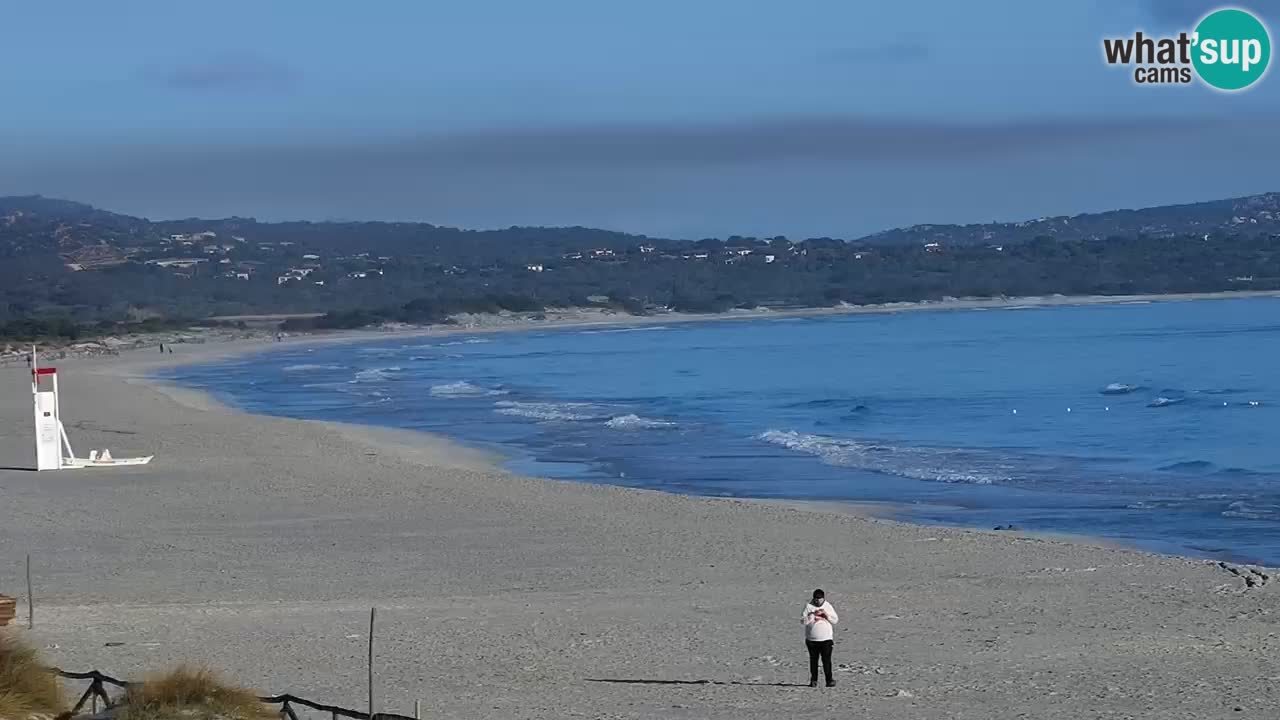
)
(1068, 409)
(1107, 408)
(1015, 412)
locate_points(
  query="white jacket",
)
(815, 627)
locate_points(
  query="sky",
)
(670, 118)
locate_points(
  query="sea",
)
(1156, 425)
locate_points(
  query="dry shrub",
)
(26, 687)
(189, 692)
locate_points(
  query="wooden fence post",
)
(373, 612)
(31, 598)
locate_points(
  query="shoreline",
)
(497, 456)
(256, 545)
(579, 318)
(478, 455)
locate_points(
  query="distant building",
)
(192, 237)
(293, 274)
(177, 262)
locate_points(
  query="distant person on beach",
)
(818, 618)
(161, 348)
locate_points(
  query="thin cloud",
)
(822, 140)
(811, 140)
(238, 73)
(792, 174)
(896, 52)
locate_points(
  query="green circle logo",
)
(1232, 49)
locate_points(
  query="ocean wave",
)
(647, 328)
(553, 411)
(1252, 511)
(462, 388)
(948, 465)
(635, 422)
(374, 375)
(827, 402)
(1193, 466)
(1240, 472)
(310, 367)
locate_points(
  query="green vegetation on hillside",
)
(68, 270)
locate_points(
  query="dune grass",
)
(190, 693)
(26, 688)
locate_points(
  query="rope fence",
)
(97, 692)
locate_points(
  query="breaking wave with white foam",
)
(552, 411)
(948, 465)
(310, 367)
(375, 375)
(462, 388)
(635, 422)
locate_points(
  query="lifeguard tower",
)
(53, 448)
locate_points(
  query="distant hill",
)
(67, 265)
(1255, 213)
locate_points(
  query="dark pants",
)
(819, 649)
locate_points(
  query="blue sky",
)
(684, 119)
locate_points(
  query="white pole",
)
(71, 454)
(57, 406)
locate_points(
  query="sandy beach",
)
(257, 545)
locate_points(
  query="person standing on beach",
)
(819, 617)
